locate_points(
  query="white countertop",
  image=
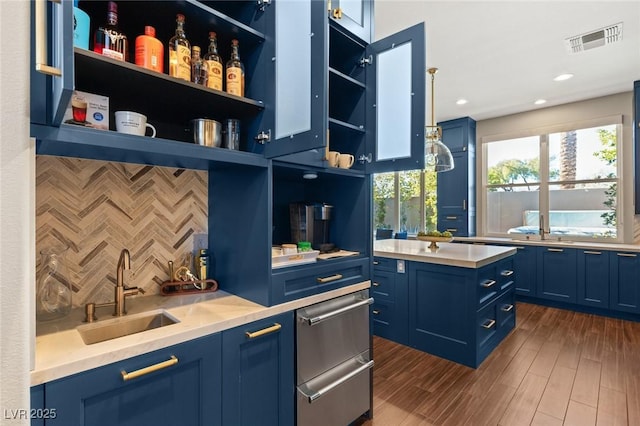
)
(555, 243)
(60, 351)
(450, 254)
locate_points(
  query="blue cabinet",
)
(557, 274)
(625, 287)
(456, 188)
(37, 403)
(355, 16)
(461, 314)
(258, 373)
(593, 278)
(390, 291)
(636, 141)
(183, 387)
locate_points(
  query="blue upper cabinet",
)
(52, 74)
(355, 16)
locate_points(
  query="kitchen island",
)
(456, 302)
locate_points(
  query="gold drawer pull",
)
(150, 369)
(452, 217)
(506, 273)
(376, 312)
(488, 283)
(507, 308)
(626, 255)
(253, 334)
(488, 324)
(334, 277)
(592, 252)
(556, 250)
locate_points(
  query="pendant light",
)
(437, 157)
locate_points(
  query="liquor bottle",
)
(214, 63)
(235, 71)
(149, 50)
(180, 52)
(199, 70)
(108, 40)
(81, 24)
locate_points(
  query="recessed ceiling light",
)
(563, 77)
(461, 101)
(540, 101)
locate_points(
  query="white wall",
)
(618, 104)
(17, 187)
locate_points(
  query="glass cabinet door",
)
(355, 16)
(300, 77)
(396, 102)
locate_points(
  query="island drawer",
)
(385, 264)
(488, 284)
(305, 280)
(506, 274)
(486, 328)
(383, 285)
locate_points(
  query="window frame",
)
(545, 183)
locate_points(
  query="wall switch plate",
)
(200, 241)
(400, 267)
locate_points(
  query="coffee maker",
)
(310, 222)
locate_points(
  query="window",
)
(563, 181)
(405, 201)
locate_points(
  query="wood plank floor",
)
(557, 367)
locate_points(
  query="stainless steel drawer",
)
(330, 333)
(338, 396)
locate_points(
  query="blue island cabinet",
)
(461, 314)
(258, 373)
(177, 385)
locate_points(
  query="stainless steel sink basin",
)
(118, 327)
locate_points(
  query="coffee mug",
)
(345, 161)
(332, 158)
(133, 123)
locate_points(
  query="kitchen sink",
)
(119, 327)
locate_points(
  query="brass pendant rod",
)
(433, 72)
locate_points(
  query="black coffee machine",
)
(310, 222)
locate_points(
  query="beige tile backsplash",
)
(98, 208)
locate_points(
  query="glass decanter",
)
(53, 294)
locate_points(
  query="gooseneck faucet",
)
(542, 231)
(121, 292)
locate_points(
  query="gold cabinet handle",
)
(626, 255)
(150, 369)
(488, 324)
(272, 329)
(376, 312)
(556, 250)
(488, 283)
(506, 273)
(507, 308)
(337, 13)
(592, 252)
(41, 39)
(328, 279)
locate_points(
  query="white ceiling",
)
(501, 56)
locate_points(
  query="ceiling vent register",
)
(598, 38)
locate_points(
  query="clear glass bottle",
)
(180, 52)
(214, 62)
(199, 69)
(235, 71)
(108, 40)
(53, 294)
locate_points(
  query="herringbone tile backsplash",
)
(98, 208)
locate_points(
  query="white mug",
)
(133, 123)
(345, 161)
(332, 158)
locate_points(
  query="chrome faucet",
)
(121, 292)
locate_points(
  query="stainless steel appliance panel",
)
(330, 333)
(338, 396)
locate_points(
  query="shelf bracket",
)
(263, 137)
(262, 4)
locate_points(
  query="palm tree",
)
(568, 154)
